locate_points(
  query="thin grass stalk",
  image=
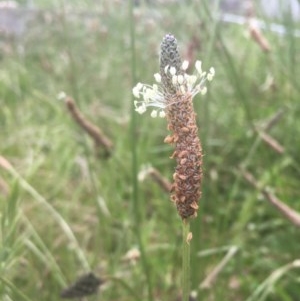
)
(42, 252)
(209, 56)
(267, 286)
(135, 202)
(123, 283)
(228, 58)
(186, 254)
(15, 290)
(54, 213)
(72, 70)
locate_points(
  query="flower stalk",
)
(185, 261)
(172, 97)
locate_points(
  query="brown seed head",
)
(173, 95)
(186, 189)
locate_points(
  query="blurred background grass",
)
(65, 211)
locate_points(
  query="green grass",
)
(67, 211)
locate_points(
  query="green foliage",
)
(65, 211)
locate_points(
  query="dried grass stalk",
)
(101, 141)
(289, 213)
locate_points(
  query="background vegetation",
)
(65, 210)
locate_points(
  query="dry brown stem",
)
(258, 37)
(92, 130)
(4, 189)
(274, 120)
(5, 164)
(292, 215)
(274, 144)
(268, 139)
(160, 180)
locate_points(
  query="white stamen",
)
(141, 109)
(203, 91)
(185, 65)
(136, 92)
(211, 74)
(198, 66)
(180, 79)
(153, 96)
(162, 114)
(174, 80)
(157, 77)
(172, 70)
(192, 79)
(153, 114)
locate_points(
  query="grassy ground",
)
(65, 210)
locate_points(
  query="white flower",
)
(153, 96)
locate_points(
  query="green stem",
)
(135, 202)
(185, 261)
(15, 290)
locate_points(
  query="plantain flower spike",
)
(172, 95)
